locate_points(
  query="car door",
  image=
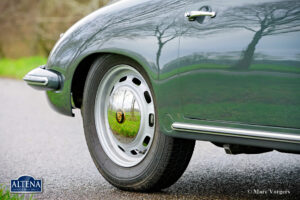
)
(243, 65)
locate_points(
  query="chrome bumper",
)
(43, 79)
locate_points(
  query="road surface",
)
(37, 141)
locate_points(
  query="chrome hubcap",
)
(124, 115)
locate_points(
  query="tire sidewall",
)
(122, 177)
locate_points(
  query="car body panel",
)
(242, 66)
(215, 93)
(157, 37)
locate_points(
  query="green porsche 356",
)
(153, 76)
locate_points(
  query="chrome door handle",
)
(193, 14)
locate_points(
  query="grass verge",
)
(128, 128)
(6, 195)
(17, 68)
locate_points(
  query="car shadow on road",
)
(279, 180)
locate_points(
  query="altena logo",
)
(26, 184)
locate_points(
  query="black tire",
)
(167, 158)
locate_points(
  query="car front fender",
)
(136, 29)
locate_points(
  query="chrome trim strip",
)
(236, 132)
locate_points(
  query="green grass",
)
(278, 68)
(128, 128)
(17, 68)
(229, 95)
(212, 66)
(193, 67)
(256, 99)
(252, 112)
(6, 195)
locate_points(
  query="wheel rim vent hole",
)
(136, 81)
(133, 152)
(151, 120)
(146, 141)
(147, 97)
(121, 148)
(123, 79)
(112, 89)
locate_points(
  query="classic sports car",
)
(153, 76)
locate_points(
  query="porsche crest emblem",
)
(120, 116)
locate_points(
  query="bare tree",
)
(143, 20)
(36, 24)
(163, 37)
(132, 109)
(2, 55)
(264, 20)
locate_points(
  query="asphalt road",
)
(37, 141)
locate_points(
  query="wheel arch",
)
(83, 67)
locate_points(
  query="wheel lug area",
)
(124, 115)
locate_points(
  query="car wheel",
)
(122, 130)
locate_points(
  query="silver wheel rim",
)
(126, 139)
